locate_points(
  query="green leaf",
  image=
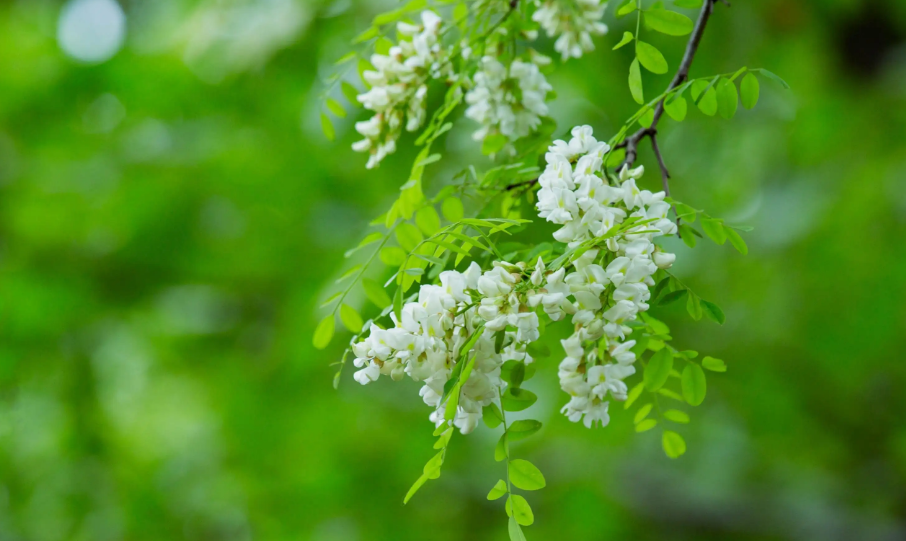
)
(323, 332)
(645, 425)
(327, 127)
(517, 372)
(498, 491)
(493, 143)
(714, 229)
(427, 220)
(635, 82)
(694, 307)
(658, 369)
(651, 57)
(693, 383)
(491, 415)
(372, 32)
(673, 296)
(460, 12)
(519, 509)
(713, 312)
(714, 365)
(500, 450)
(538, 350)
(336, 108)
(686, 213)
(727, 98)
(351, 93)
(676, 108)
(736, 240)
(351, 319)
(392, 256)
(626, 8)
(748, 91)
(415, 486)
(634, 395)
(376, 293)
(522, 429)
(776, 78)
(408, 236)
(688, 4)
(647, 118)
(705, 97)
(627, 37)
(668, 22)
(688, 235)
(669, 394)
(452, 209)
(642, 413)
(673, 443)
(382, 45)
(332, 298)
(515, 530)
(444, 438)
(524, 475)
(345, 58)
(677, 416)
(517, 399)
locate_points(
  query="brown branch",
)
(682, 74)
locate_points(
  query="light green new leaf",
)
(736, 240)
(634, 395)
(415, 486)
(408, 236)
(668, 22)
(651, 57)
(635, 82)
(642, 413)
(775, 77)
(676, 109)
(627, 37)
(392, 256)
(714, 229)
(498, 491)
(693, 383)
(491, 415)
(525, 475)
(427, 220)
(658, 369)
(336, 108)
(522, 429)
(351, 318)
(749, 90)
(673, 443)
(493, 143)
(626, 8)
(707, 102)
(645, 425)
(323, 332)
(677, 416)
(351, 93)
(515, 530)
(688, 235)
(452, 209)
(500, 450)
(517, 399)
(714, 365)
(694, 306)
(519, 509)
(727, 98)
(688, 4)
(376, 293)
(713, 312)
(327, 127)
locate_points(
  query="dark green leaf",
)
(694, 307)
(672, 297)
(713, 312)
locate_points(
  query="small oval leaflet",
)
(525, 475)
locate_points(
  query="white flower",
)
(575, 23)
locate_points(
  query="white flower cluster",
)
(609, 288)
(575, 21)
(426, 343)
(399, 87)
(508, 100)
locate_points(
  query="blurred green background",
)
(171, 217)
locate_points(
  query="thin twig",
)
(665, 175)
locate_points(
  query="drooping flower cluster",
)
(508, 100)
(399, 87)
(426, 342)
(610, 286)
(574, 21)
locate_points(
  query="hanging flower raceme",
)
(429, 339)
(573, 23)
(398, 86)
(610, 286)
(507, 100)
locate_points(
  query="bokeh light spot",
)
(91, 30)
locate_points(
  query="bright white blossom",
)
(608, 288)
(574, 21)
(427, 340)
(398, 86)
(509, 100)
